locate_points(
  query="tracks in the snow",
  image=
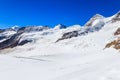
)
(31, 58)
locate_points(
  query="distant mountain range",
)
(19, 36)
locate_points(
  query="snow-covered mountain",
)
(89, 52)
(60, 26)
(96, 18)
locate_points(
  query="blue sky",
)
(53, 12)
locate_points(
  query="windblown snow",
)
(83, 57)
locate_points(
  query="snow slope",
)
(77, 58)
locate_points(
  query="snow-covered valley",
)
(79, 53)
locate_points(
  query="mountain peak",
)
(60, 26)
(94, 18)
(98, 16)
(14, 27)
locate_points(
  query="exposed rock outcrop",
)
(68, 35)
(24, 42)
(115, 43)
(117, 32)
(11, 42)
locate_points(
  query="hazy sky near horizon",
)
(53, 12)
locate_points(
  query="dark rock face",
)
(5, 35)
(115, 43)
(117, 32)
(72, 34)
(69, 35)
(11, 42)
(24, 42)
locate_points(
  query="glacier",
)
(79, 55)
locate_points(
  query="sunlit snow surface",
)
(78, 58)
